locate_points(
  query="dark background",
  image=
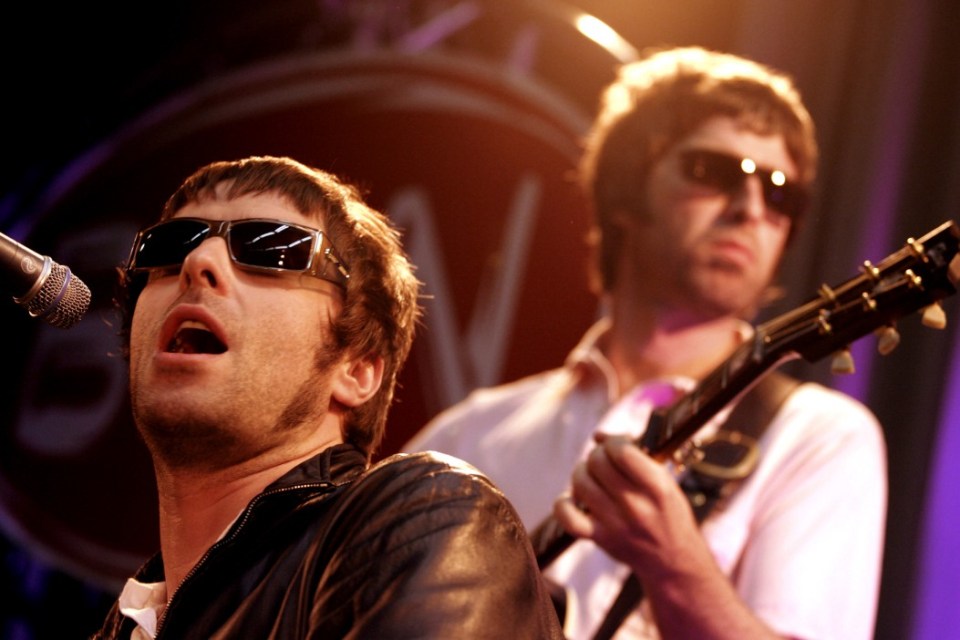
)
(107, 106)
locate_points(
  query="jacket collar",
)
(336, 465)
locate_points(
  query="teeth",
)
(194, 337)
(175, 345)
(192, 324)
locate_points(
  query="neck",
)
(197, 507)
(649, 343)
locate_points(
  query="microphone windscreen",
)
(62, 299)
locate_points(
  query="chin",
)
(729, 295)
(189, 448)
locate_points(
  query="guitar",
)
(918, 276)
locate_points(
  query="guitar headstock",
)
(916, 277)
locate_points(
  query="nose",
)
(746, 202)
(206, 265)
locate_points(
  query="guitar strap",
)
(728, 458)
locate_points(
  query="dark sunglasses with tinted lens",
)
(727, 173)
(262, 245)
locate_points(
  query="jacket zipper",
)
(244, 518)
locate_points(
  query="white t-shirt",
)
(801, 539)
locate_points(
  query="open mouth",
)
(193, 337)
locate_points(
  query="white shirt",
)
(801, 539)
(143, 602)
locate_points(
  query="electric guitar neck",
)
(916, 277)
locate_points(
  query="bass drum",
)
(464, 126)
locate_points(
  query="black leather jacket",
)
(418, 546)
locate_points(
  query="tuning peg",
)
(842, 362)
(934, 316)
(887, 339)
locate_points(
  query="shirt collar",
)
(589, 365)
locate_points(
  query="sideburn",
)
(315, 387)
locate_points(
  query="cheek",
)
(149, 314)
(141, 321)
(677, 218)
(295, 327)
(775, 242)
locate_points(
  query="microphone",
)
(47, 290)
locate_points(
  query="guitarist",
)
(699, 166)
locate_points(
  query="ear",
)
(356, 380)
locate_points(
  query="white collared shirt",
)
(801, 539)
(144, 603)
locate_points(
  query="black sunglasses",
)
(726, 173)
(270, 246)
